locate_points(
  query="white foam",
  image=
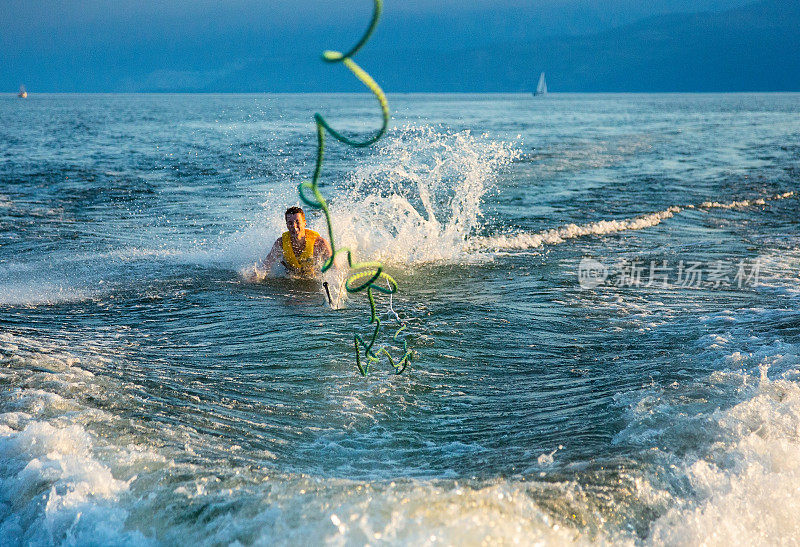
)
(571, 231)
(724, 470)
(53, 488)
(555, 236)
(429, 514)
(744, 487)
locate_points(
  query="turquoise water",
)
(154, 392)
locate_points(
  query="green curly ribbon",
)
(369, 272)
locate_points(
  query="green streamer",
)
(369, 272)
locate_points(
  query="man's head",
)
(296, 222)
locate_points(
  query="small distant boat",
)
(541, 87)
(22, 93)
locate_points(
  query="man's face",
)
(296, 224)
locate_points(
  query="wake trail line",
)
(531, 240)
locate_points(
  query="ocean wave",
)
(73, 474)
(743, 487)
(709, 470)
(54, 487)
(722, 452)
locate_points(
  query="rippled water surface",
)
(152, 391)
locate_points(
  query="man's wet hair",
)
(294, 211)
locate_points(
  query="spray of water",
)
(419, 200)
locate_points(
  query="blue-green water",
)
(151, 392)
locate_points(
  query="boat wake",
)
(531, 240)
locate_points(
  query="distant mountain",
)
(752, 48)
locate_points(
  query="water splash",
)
(419, 200)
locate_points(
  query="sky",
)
(420, 45)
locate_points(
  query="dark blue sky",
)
(421, 45)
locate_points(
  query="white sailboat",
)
(541, 87)
(22, 93)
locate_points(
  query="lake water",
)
(602, 291)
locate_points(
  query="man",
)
(301, 251)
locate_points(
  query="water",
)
(153, 394)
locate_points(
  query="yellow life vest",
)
(304, 264)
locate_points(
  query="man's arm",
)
(274, 255)
(322, 250)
